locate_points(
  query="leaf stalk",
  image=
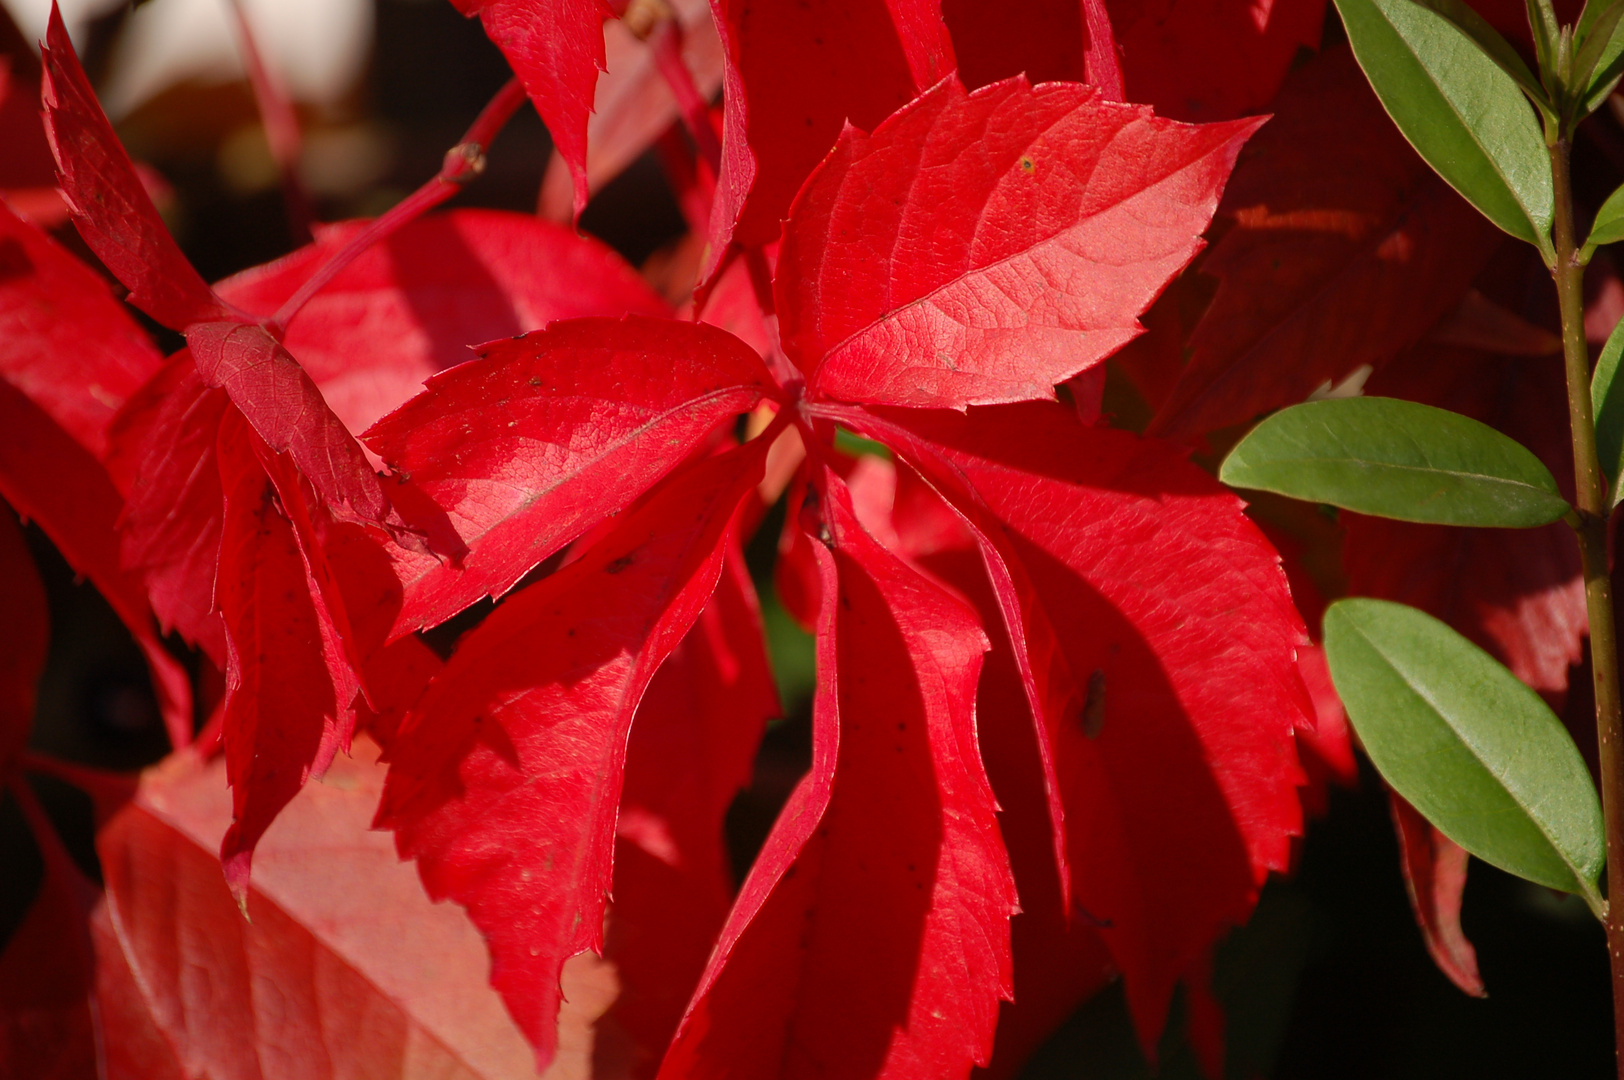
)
(1591, 500)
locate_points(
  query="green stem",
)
(1592, 503)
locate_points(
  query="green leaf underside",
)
(1607, 399)
(1459, 110)
(1601, 52)
(1397, 459)
(1477, 752)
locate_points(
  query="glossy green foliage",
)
(1477, 752)
(1396, 459)
(1608, 227)
(1464, 114)
(1599, 39)
(1607, 400)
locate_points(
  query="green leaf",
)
(1593, 10)
(1608, 227)
(1476, 751)
(1495, 47)
(1601, 59)
(1607, 399)
(1396, 459)
(1542, 21)
(1460, 111)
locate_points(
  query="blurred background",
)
(1330, 980)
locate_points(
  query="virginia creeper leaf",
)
(505, 778)
(795, 74)
(416, 303)
(1435, 876)
(856, 950)
(692, 748)
(982, 247)
(369, 976)
(64, 341)
(1467, 744)
(26, 630)
(556, 50)
(46, 971)
(1608, 227)
(546, 435)
(1159, 636)
(1342, 248)
(108, 203)
(1397, 459)
(51, 480)
(287, 410)
(1198, 60)
(162, 455)
(632, 103)
(1460, 111)
(285, 716)
(1518, 594)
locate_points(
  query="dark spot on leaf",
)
(618, 565)
(14, 261)
(1093, 718)
(1028, 165)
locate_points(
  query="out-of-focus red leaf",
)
(1479, 323)
(632, 104)
(979, 248)
(556, 49)
(550, 433)
(64, 341)
(46, 971)
(505, 779)
(1516, 592)
(1343, 248)
(1435, 875)
(1326, 749)
(105, 195)
(27, 171)
(692, 747)
(286, 409)
(24, 634)
(51, 480)
(795, 75)
(343, 968)
(288, 686)
(857, 950)
(417, 302)
(1192, 59)
(161, 453)
(1162, 640)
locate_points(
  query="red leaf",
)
(45, 975)
(1517, 593)
(284, 406)
(692, 747)
(1344, 249)
(1190, 59)
(64, 340)
(285, 714)
(109, 205)
(1171, 694)
(858, 948)
(981, 248)
(795, 75)
(344, 968)
(162, 453)
(51, 480)
(550, 433)
(415, 303)
(632, 103)
(1435, 876)
(505, 779)
(1326, 749)
(556, 50)
(24, 634)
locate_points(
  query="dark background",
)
(1330, 979)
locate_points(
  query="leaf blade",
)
(1460, 111)
(1478, 753)
(1396, 459)
(1607, 403)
